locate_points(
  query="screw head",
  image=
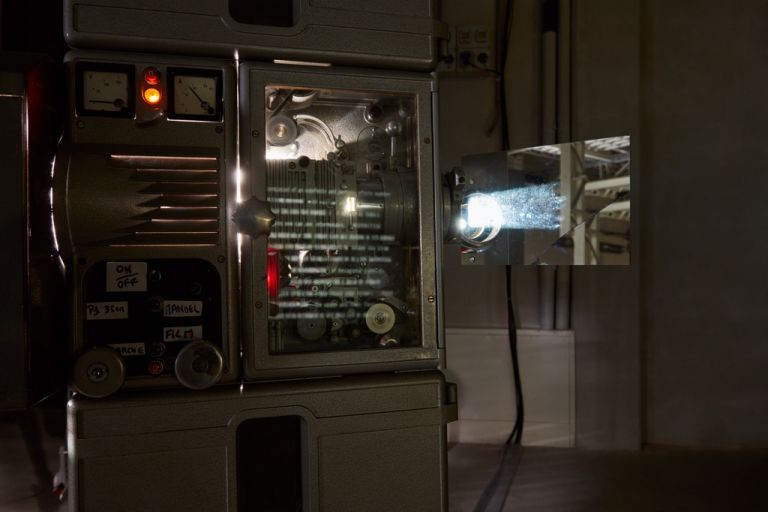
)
(259, 305)
(431, 299)
(219, 129)
(255, 133)
(221, 259)
(81, 124)
(427, 140)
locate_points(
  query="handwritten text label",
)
(194, 332)
(126, 276)
(129, 349)
(182, 308)
(106, 310)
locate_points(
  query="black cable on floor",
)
(505, 22)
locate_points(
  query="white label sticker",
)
(127, 276)
(194, 332)
(179, 308)
(106, 310)
(129, 349)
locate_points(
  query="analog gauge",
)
(195, 95)
(105, 90)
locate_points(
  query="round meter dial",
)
(195, 95)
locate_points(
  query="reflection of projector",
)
(531, 205)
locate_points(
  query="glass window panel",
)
(343, 257)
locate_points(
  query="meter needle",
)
(203, 104)
(119, 103)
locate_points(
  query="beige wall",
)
(704, 109)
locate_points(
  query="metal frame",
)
(194, 434)
(258, 362)
(399, 34)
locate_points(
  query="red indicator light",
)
(273, 273)
(156, 367)
(152, 76)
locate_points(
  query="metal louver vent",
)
(177, 201)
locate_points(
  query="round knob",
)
(199, 365)
(254, 218)
(98, 372)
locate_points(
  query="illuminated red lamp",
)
(151, 91)
(151, 76)
(273, 273)
(156, 367)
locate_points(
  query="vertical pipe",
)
(549, 64)
(564, 72)
(547, 297)
(563, 291)
(549, 88)
(563, 298)
(580, 249)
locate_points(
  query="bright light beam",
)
(531, 207)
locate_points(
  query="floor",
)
(529, 479)
(29, 444)
(569, 480)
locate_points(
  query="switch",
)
(157, 349)
(464, 35)
(481, 35)
(156, 367)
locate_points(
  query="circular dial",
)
(195, 95)
(106, 91)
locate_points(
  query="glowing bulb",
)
(152, 96)
(350, 205)
(483, 211)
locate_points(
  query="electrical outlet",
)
(466, 60)
(474, 51)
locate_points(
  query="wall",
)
(604, 51)
(605, 304)
(706, 289)
(482, 369)
(672, 350)
(475, 296)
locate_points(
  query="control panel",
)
(148, 94)
(144, 187)
(148, 311)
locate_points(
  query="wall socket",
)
(469, 50)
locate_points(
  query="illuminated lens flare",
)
(483, 210)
